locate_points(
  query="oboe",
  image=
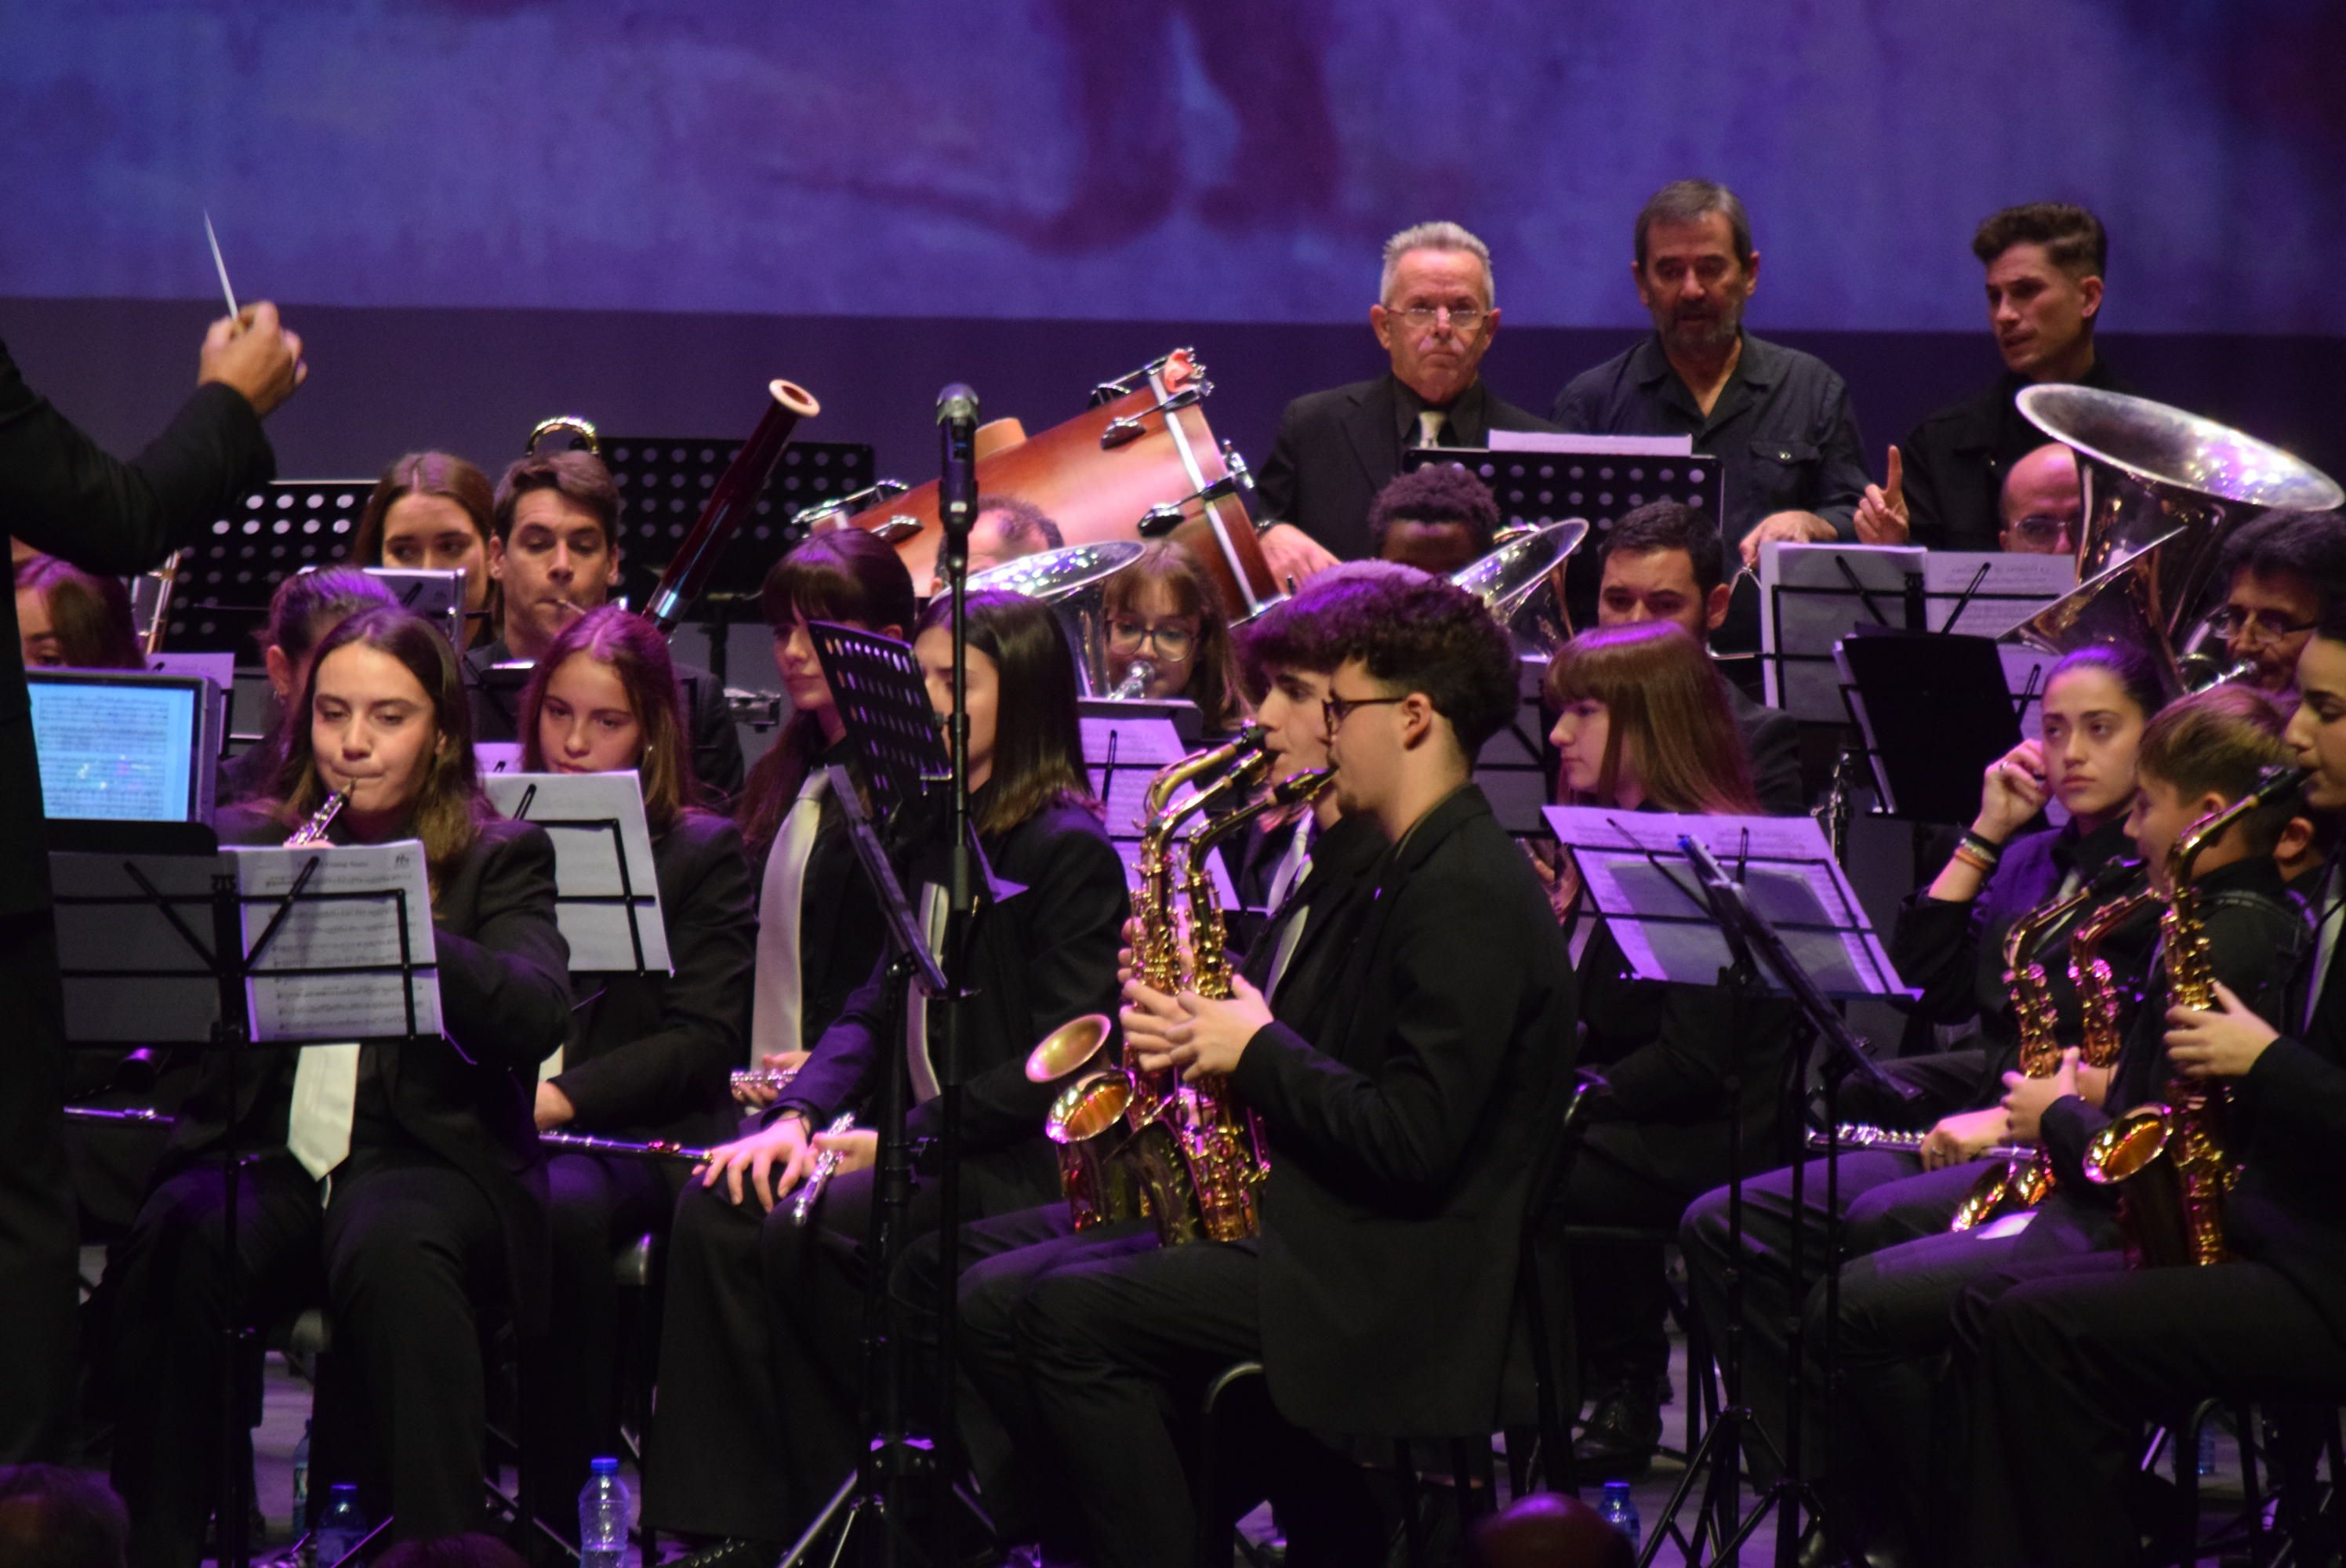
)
(313, 831)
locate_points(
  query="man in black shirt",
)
(1336, 449)
(1778, 420)
(2044, 263)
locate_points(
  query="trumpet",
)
(313, 831)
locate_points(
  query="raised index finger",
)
(1897, 479)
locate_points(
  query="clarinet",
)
(313, 831)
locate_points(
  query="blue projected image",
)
(115, 750)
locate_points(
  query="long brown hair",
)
(1661, 696)
(1213, 673)
(848, 576)
(441, 473)
(1038, 739)
(634, 650)
(449, 807)
(89, 614)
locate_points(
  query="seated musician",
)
(69, 618)
(1008, 528)
(2066, 1367)
(402, 1174)
(2281, 571)
(1949, 942)
(794, 828)
(434, 511)
(1643, 724)
(2041, 503)
(1406, 1138)
(1161, 611)
(1661, 563)
(1438, 518)
(650, 1053)
(304, 608)
(554, 556)
(1888, 1468)
(760, 1368)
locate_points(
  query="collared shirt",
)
(1466, 415)
(1956, 459)
(1781, 428)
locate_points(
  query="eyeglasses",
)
(2231, 622)
(1172, 642)
(2041, 530)
(1339, 708)
(1465, 320)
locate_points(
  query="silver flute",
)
(651, 1149)
(776, 1078)
(826, 1166)
(1866, 1135)
(313, 831)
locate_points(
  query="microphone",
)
(957, 447)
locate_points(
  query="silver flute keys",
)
(826, 1166)
(776, 1078)
(313, 831)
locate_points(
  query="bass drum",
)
(1141, 464)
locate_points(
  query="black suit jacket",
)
(1955, 462)
(504, 1006)
(1406, 1144)
(716, 744)
(651, 1054)
(1331, 900)
(63, 495)
(1336, 449)
(1038, 960)
(1771, 744)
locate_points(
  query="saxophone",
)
(1222, 1140)
(2040, 1046)
(2171, 1158)
(2023, 1181)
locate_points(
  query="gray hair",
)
(1438, 236)
(1685, 202)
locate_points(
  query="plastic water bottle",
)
(301, 1483)
(341, 1527)
(603, 1517)
(1620, 1509)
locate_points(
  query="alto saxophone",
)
(2171, 1158)
(313, 831)
(1222, 1140)
(2024, 1182)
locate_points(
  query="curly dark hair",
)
(1438, 492)
(1669, 526)
(1420, 633)
(2073, 238)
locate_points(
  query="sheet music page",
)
(1647, 890)
(1143, 747)
(120, 753)
(496, 756)
(579, 813)
(338, 934)
(2015, 587)
(1807, 604)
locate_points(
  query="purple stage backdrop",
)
(484, 211)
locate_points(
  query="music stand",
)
(226, 578)
(1798, 921)
(1812, 596)
(606, 882)
(1934, 710)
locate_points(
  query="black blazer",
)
(1405, 1145)
(1955, 462)
(716, 744)
(63, 495)
(1336, 449)
(1771, 745)
(505, 1004)
(1038, 959)
(1332, 899)
(650, 1054)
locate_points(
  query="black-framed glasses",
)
(1173, 642)
(1339, 708)
(2231, 621)
(1464, 321)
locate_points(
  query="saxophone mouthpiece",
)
(2281, 781)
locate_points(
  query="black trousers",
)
(39, 1239)
(1620, 1295)
(402, 1252)
(1886, 1198)
(597, 1204)
(1117, 1349)
(2067, 1361)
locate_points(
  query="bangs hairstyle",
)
(449, 807)
(89, 614)
(1213, 671)
(849, 576)
(632, 649)
(2220, 742)
(1038, 744)
(580, 477)
(1415, 632)
(2138, 675)
(1662, 698)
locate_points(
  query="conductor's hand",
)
(1293, 556)
(772, 1160)
(1961, 1138)
(2223, 1044)
(2012, 792)
(2024, 1098)
(1213, 1036)
(253, 353)
(1882, 516)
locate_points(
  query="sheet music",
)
(115, 752)
(495, 756)
(1807, 604)
(336, 934)
(1650, 895)
(1143, 747)
(594, 818)
(2015, 587)
(1591, 446)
